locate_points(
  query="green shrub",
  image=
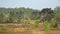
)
(36, 24)
(46, 26)
(53, 23)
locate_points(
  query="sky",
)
(35, 4)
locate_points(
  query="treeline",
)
(15, 15)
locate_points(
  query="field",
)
(25, 20)
(20, 29)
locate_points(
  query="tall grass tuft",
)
(46, 26)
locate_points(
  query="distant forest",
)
(15, 15)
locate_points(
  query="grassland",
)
(20, 29)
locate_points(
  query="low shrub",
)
(36, 24)
(46, 26)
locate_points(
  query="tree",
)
(57, 9)
(47, 14)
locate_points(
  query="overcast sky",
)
(35, 4)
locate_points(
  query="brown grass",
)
(19, 29)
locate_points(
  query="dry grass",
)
(19, 29)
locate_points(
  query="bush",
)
(53, 23)
(36, 24)
(46, 26)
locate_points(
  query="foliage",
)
(46, 26)
(36, 24)
(53, 23)
(47, 14)
(10, 15)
